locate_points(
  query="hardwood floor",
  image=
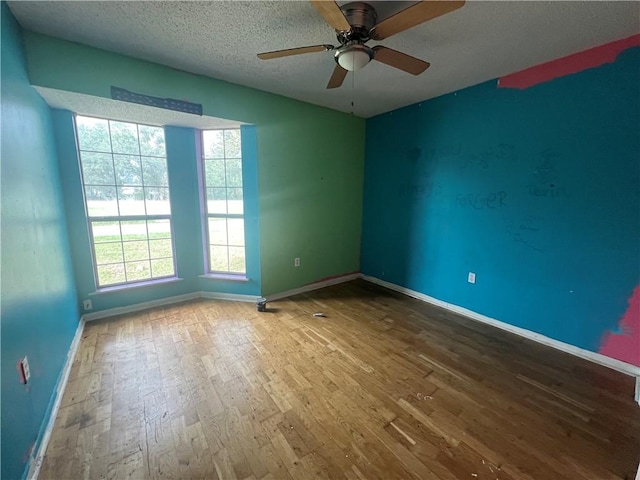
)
(383, 387)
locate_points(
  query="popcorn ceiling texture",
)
(479, 42)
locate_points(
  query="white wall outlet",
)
(88, 305)
(296, 262)
(471, 278)
(26, 373)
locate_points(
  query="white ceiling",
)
(479, 42)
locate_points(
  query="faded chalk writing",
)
(550, 191)
(436, 153)
(483, 159)
(419, 190)
(545, 177)
(479, 201)
(523, 230)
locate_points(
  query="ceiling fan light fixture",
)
(354, 57)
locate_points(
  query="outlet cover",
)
(471, 278)
(296, 262)
(26, 373)
(88, 305)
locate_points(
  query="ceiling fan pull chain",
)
(353, 81)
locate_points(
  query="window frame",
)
(206, 215)
(119, 219)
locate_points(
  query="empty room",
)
(314, 239)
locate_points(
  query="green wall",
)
(310, 158)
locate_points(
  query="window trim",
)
(114, 287)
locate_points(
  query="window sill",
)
(135, 286)
(225, 276)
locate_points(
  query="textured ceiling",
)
(128, 112)
(479, 42)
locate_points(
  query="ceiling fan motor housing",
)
(353, 54)
(362, 18)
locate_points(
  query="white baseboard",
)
(110, 312)
(36, 461)
(595, 357)
(229, 296)
(314, 286)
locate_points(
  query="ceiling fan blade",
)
(412, 16)
(294, 51)
(337, 77)
(399, 60)
(332, 14)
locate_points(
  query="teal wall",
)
(182, 165)
(310, 159)
(537, 191)
(39, 313)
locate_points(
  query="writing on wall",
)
(480, 201)
(523, 230)
(544, 182)
(483, 160)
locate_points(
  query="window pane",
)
(97, 168)
(154, 172)
(234, 172)
(101, 201)
(152, 140)
(159, 229)
(157, 200)
(128, 170)
(108, 252)
(124, 137)
(213, 143)
(216, 200)
(236, 259)
(214, 172)
(162, 267)
(119, 182)
(105, 231)
(218, 231)
(138, 270)
(93, 134)
(222, 153)
(135, 250)
(219, 259)
(111, 274)
(136, 230)
(236, 231)
(160, 248)
(232, 144)
(131, 200)
(234, 196)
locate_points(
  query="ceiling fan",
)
(355, 24)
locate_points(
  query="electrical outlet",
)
(471, 278)
(25, 372)
(87, 305)
(296, 262)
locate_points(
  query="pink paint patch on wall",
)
(625, 343)
(594, 57)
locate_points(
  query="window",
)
(126, 188)
(224, 211)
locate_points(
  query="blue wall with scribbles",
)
(537, 191)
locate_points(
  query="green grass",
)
(123, 253)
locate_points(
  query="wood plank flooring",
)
(383, 387)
